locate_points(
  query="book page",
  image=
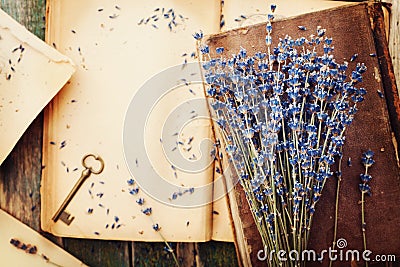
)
(124, 51)
(222, 220)
(45, 254)
(31, 73)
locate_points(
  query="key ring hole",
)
(88, 162)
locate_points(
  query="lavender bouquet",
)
(283, 114)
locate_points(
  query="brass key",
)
(61, 213)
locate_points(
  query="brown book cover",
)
(355, 29)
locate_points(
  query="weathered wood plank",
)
(100, 253)
(152, 254)
(20, 177)
(187, 254)
(211, 253)
(30, 13)
(215, 253)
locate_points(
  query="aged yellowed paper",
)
(31, 73)
(45, 252)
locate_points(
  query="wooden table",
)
(20, 176)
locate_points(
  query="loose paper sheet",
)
(119, 46)
(31, 73)
(11, 228)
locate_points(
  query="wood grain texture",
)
(216, 253)
(187, 254)
(100, 252)
(148, 254)
(20, 176)
(30, 13)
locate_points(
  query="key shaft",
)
(85, 174)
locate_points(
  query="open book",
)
(124, 51)
(118, 46)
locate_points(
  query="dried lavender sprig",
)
(339, 179)
(169, 249)
(148, 211)
(367, 160)
(31, 249)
